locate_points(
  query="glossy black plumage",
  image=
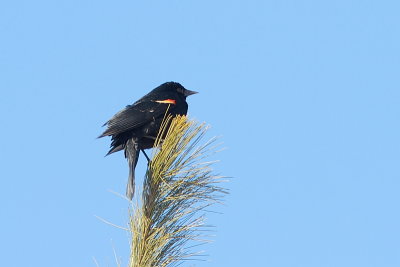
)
(136, 126)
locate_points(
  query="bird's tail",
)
(132, 155)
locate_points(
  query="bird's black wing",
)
(136, 115)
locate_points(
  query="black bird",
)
(136, 127)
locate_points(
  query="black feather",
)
(136, 126)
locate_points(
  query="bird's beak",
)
(188, 92)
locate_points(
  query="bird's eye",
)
(180, 90)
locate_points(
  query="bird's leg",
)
(148, 159)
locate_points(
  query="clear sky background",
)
(306, 96)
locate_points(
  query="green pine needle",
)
(178, 184)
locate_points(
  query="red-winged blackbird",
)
(136, 127)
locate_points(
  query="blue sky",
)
(305, 95)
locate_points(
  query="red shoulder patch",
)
(167, 101)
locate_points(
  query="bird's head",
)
(178, 88)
